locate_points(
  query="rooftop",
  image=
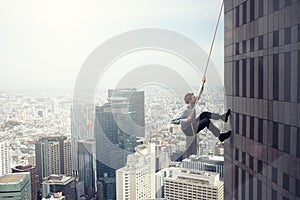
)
(12, 178)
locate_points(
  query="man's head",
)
(189, 98)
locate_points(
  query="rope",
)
(200, 91)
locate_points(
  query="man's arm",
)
(201, 89)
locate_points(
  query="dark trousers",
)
(204, 121)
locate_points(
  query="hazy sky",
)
(43, 44)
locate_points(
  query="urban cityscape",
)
(125, 146)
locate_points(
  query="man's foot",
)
(227, 115)
(224, 136)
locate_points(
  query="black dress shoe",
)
(224, 136)
(227, 115)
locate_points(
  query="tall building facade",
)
(262, 70)
(51, 157)
(115, 132)
(137, 179)
(136, 102)
(83, 152)
(5, 158)
(193, 184)
(15, 186)
(34, 179)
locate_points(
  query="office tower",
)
(192, 184)
(136, 102)
(51, 156)
(205, 163)
(115, 132)
(137, 179)
(15, 186)
(67, 162)
(5, 158)
(60, 183)
(34, 179)
(262, 70)
(86, 167)
(82, 135)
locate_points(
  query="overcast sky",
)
(43, 44)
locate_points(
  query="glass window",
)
(260, 130)
(237, 154)
(287, 139)
(261, 42)
(243, 184)
(244, 74)
(252, 128)
(275, 38)
(297, 188)
(298, 143)
(274, 175)
(286, 181)
(298, 68)
(244, 46)
(275, 5)
(275, 135)
(287, 76)
(237, 77)
(274, 194)
(244, 126)
(287, 2)
(251, 162)
(237, 124)
(245, 12)
(251, 44)
(275, 76)
(259, 166)
(250, 187)
(259, 190)
(252, 8)
(260, 78)
(244, 158)
(261, 8)
(236, 182)
(237, 16)
(251, 77)
(287, 35)
(237, 48)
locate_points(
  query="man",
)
(191, 125)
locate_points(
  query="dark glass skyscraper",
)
(136, 102)
(115, 133)
(262, 70)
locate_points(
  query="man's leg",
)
(208, 124)
(215, 116)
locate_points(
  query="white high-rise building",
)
(5, 158)
(137, 179)
(182, 183)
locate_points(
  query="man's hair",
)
(188, 97)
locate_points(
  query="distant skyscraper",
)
(15, 186)
(86, 166)
(192, 184)
(115, 132)
(34, 179)
(205, 163)
(51, 156)
(5, 158)
(262, 70)
(60, 183)
(137, 179)
(83, 154)
(136, 102)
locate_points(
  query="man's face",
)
(193, 100)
